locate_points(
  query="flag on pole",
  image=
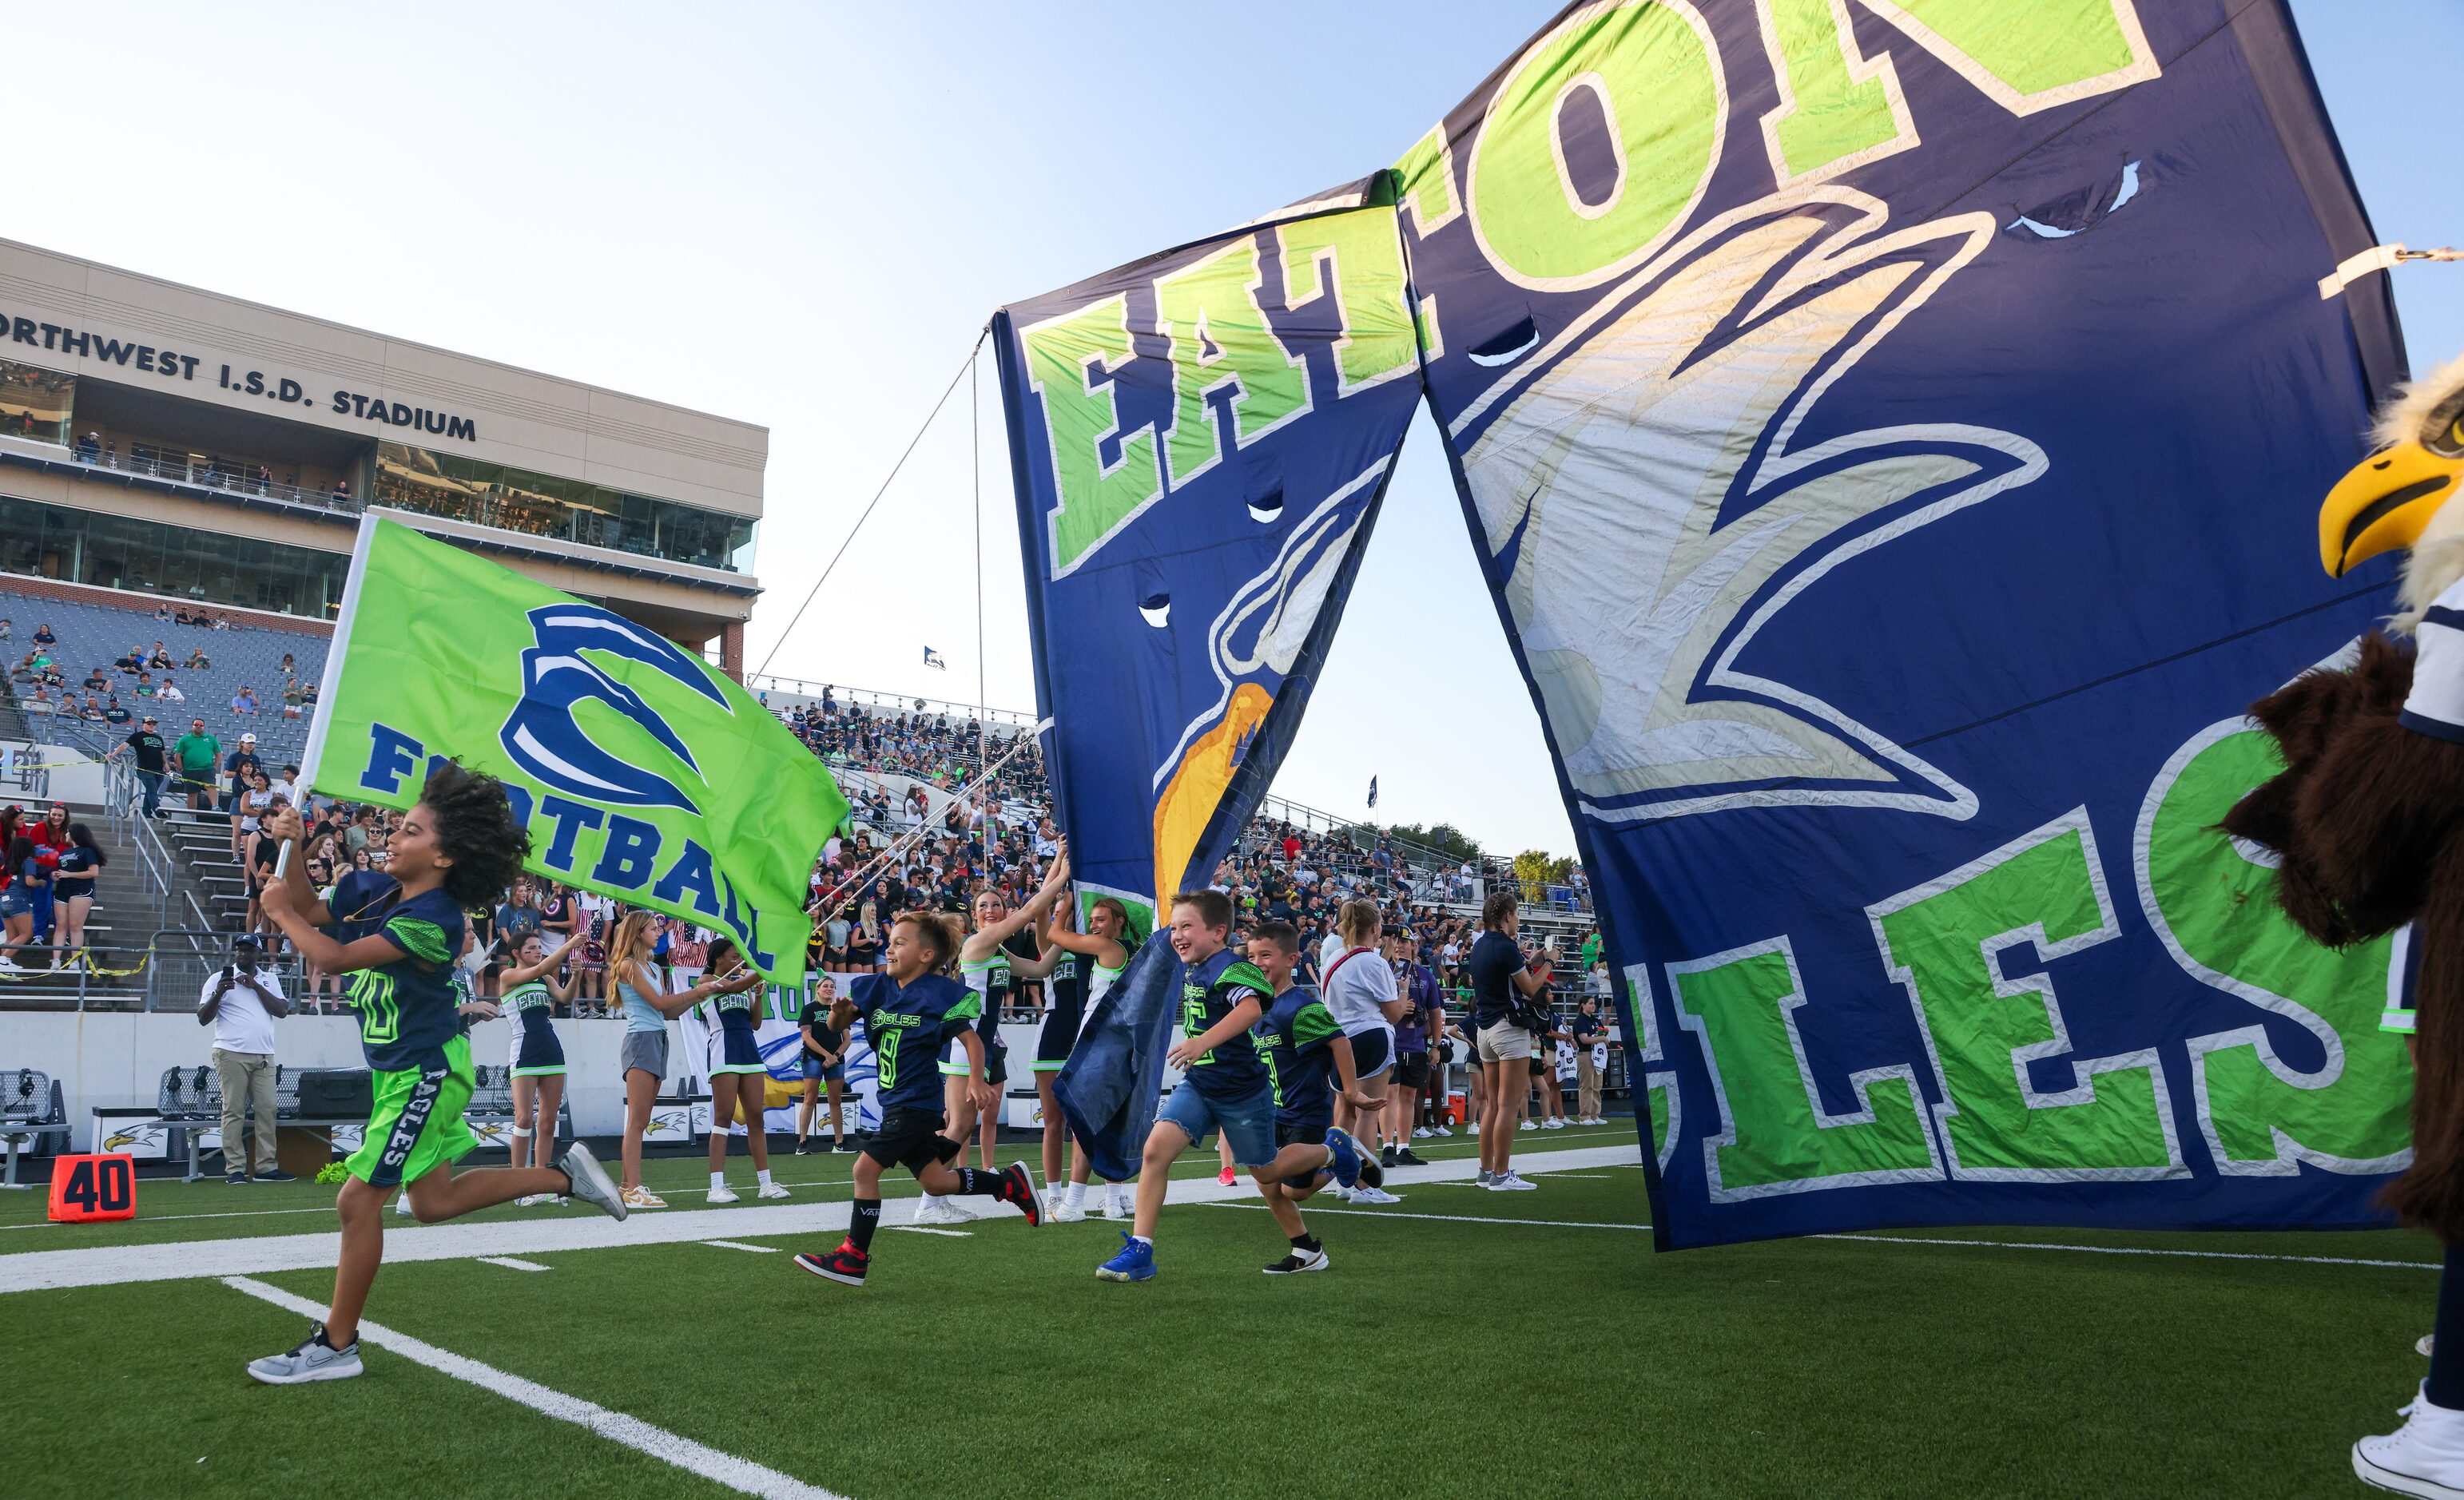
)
(642, 773)
(932, 659)
(1372, 791)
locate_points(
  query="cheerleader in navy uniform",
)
(740, 1081)
(529, 989)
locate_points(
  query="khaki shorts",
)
(1504, 1041)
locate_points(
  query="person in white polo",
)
(241, 1001)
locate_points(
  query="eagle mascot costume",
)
(2368, 818)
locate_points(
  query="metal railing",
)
(182, 470)
(870, 699)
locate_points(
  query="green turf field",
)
(1465, 1342)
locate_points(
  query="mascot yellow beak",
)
(2385, 504)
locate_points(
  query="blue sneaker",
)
(1134, 1263)
(1346, 1153)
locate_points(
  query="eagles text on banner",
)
(1880, 428)
(642, 773)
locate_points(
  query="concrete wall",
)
(116, 1061)
(538, 422)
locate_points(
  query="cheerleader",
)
(1085, 967)
(739, 1080)
(985, 965)
(529, 990)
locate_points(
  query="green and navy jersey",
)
(907, 1028)
(1299, 1031)
(528, 995)
(406, 1008)
(1211, 990)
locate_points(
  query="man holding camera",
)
(241, 1001)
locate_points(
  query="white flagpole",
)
(311, 759)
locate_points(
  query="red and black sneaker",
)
(844, 1264)
(1022, 1193)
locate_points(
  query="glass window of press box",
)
(115, 551)
(515, 500)
(35, 404)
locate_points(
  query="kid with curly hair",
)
(397, 940)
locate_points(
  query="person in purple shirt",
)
(1417, 989)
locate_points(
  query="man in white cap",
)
(236, 767)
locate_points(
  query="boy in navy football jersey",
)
(459, 848)
(909, 1015)
(1224, 1085)
(1309, 1062)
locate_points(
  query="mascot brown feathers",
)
(2368, 812)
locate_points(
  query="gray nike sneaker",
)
(591, 1181)
(314, 1360)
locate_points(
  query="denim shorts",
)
(1249, 1123)
(816, 1069)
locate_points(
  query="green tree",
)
(1534, 870)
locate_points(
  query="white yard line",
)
(918, 1228)
(511, 1264)
(757, 1249)
(1312, 1209)
(106, 1264)
(739, 1474)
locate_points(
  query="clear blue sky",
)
(800, 215)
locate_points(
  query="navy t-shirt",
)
(907, 1028)
(406, 1008)
(1494, 960)
(1300, 1034)
(1211, 990)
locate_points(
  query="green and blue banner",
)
(642, 771)
(1892, 434)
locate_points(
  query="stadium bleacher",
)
(249, 655)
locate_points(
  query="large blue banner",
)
(1893, 434)
(1199, 443)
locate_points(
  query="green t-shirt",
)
(1591, 950)
(198, 752)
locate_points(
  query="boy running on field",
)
(458, 848)
(909, 1014)
(1304, 1044)
(1224, 1085)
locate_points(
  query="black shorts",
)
(1539, 1064)
(996, 1065)
(1412, 1070)
(911, 1139)
(1310, 1132)
(1373, 1052)
(1054, 1043)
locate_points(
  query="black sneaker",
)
(1385, 1156)
(844, 1264)
(1372, 1173)
(274, 1174)
(1407, 1157)
(1298, 1261)
(235, 1179)
(842, 1146)
(799, 1149)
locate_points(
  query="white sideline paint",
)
(511, 1264)
(920, 1228)
(1312, 1210)
(757, 1249)
(739, 1474)
(39, 1271)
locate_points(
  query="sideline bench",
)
(31, 1108)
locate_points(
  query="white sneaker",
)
(311, 1359)
(1444, 1131)
(1341, 1194)
(1373, 1195)
(771, 1190)
(2423, 1457)
(1116, 1206)
(401, 1204)
(723, 1194)
(1421, 1134)
(1510, 1181)
(942, 1212)
(1556, 1122)
(2421, 1346)
(1066, 1212)
(1473, 1128)
(527, 1200)
(1528, 1125)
